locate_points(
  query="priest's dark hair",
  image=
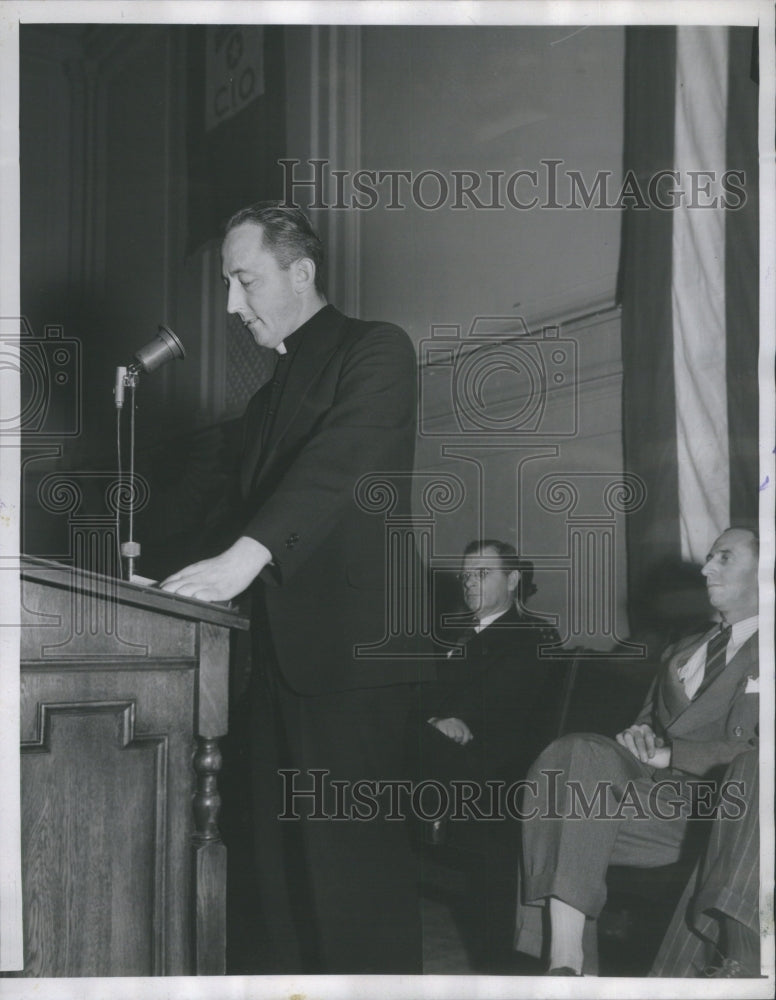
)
(287, 234)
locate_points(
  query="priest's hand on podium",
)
(222, 577)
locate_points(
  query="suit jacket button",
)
(738, 731)
(292, 540)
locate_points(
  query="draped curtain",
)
(689, 291)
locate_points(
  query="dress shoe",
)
(730, 969)
(564, 970)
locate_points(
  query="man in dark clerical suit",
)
(701, 713)
(336, 895)
(492, 694)
(489, 713)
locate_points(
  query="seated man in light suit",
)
(700, 714)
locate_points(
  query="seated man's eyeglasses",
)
(478, 574)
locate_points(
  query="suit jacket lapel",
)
(314, 348)
(673, 694)
(463, 626)
(672, 691)
(492, 633)
(721, 688)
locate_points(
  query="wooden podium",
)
(123, 701)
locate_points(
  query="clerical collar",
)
(290, 343)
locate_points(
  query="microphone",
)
(163, 348)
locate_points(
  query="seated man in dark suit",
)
(486, 702)
(599, 802)
(715, 929)
(487, 716)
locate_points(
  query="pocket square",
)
(752, 685)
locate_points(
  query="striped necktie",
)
(716, 656)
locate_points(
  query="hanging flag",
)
(689, 290)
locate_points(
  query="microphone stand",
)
(128, 378)
(163, 348)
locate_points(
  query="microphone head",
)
(163, 348)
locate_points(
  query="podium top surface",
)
(56, 574)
